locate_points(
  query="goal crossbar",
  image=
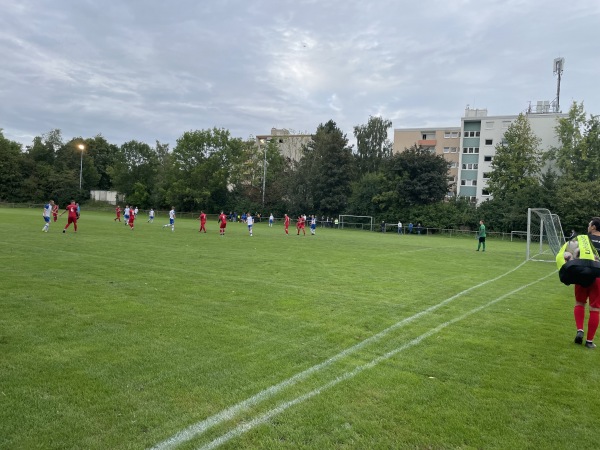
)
(349, 220)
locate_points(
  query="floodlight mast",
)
(559, 65)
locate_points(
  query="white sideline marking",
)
(200, 427)
(243, 428)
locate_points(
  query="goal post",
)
(356, 222)
(545, 236)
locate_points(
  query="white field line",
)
(243, 428)
(227, 414)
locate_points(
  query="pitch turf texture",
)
(128, 340)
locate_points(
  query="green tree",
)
(414, 177)
(372, 144)
(103, 155)
(326, 171)
(365, 192)
(11, 170)
(517, 163)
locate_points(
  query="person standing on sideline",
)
(271, 218)
(171, 219)
(126, 212)
(286, 223)
(202, 218)
(313, 224)
(118, 212)
(222, 223)
(151, 216)
(481, 235)
(410, 227)
(592, 292)
(72, 218)
(399, 227)
(78, 210)
(48, 208)
(131, 220)
(250, 222)
(135, 211)
(54, 211)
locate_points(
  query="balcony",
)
(427, 142)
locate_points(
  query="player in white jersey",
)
(313, 224)
(151, 215)
(126, 213)
(46, 214)
(250, 222)
(171, 219)
(135, 211)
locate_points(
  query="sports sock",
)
(592, 324)
(579, 313)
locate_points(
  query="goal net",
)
(356, 222)
(545, 236)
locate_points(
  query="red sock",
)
(592, 324)
(579, 313)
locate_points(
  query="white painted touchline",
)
(243, 428)
(200, 427)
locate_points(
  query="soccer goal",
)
(357, 222)
(545, 236)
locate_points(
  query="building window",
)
(453, 149)
(485, 192)
(505, 124)
(489, 125)
(477, 134)
(447, 134)
(463, 182)
(453, 165)
(489, 142)
(486, 175)
(474, 183)
(475, 166)
(473, 199)
(446, 149)
(488, 158)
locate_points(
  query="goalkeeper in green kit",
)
(481, 235)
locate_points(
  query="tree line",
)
(212, 170)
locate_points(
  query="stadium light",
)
(82, 148)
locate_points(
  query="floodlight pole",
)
(81, 147)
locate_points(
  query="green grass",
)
(118, 339)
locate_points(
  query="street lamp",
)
(82, 148)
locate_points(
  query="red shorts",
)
(223, 225)
(592, 292)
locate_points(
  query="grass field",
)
(112, 339)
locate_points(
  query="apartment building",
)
(481, 133)
(290, 144)
(441, 141)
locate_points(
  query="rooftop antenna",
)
(559, 65)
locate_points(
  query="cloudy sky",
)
(150, 70)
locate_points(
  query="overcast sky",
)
(150, 70)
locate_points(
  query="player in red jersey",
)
(55, 211)
(130, 222)
(202, 222)
(118, 211)
(300, 225)
(222, 223)
(286, 223)
(72, 210)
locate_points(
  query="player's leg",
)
(594, 317)
(581, 295)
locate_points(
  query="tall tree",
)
(372, 144)
(327, 169)
(414, 177)
(517, 163)
(103, 155)
(11, 175)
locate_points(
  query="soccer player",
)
(481, 235)
(250, 222)
(300, 225)
(54, 211)
(118, 212)
(136, 210)
(313, 224)
(171, 219)
(48, 208)
(72, 218)
(202, 218)
(222, 223)
(286, 223)
(126, 213)
(130, 221)
(582, 294)
(151, 216)
(271, 218)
